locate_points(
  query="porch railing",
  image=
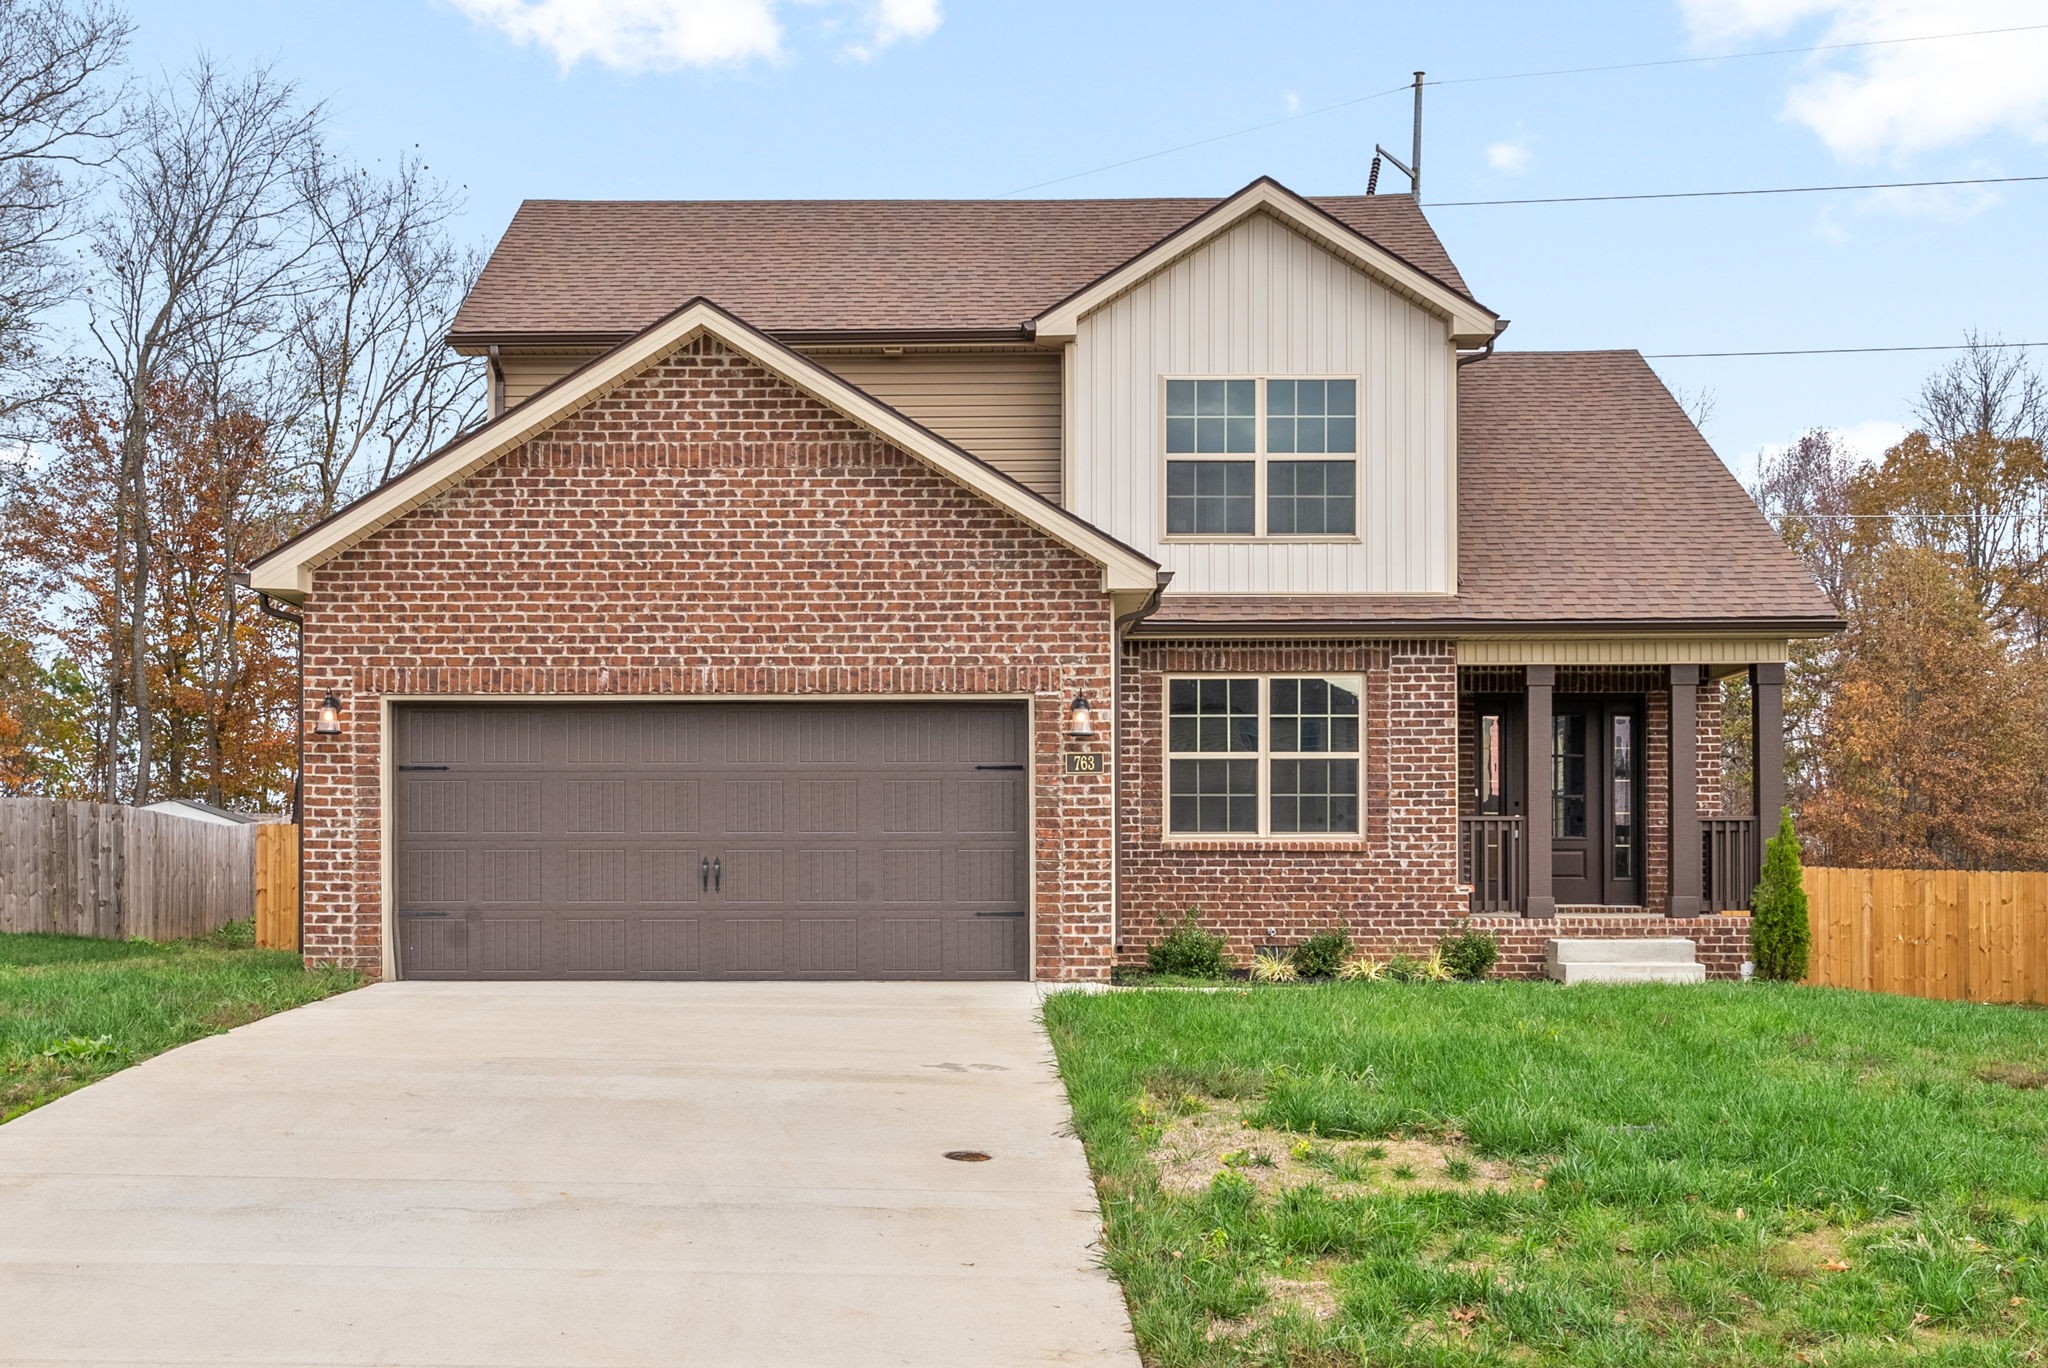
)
(1490, 861)
(1733, 850)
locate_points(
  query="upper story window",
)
(1262, 457)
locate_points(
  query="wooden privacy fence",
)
(1936, 933)
(96, 869)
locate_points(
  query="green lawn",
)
(74, 1010)
(1520, 1174)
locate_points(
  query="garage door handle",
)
(704, 875)
(717, 877)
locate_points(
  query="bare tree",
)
(198, 255)
(1805, 491)
(370, 381)
(57, 115)
(1988, 391)
(1699, 405)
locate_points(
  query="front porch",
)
(1628, 817)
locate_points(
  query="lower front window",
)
(1264, 755)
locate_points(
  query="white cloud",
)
(1875, 103)
(1511, 155)
(895, 21)
(671, 35)
(1292, 101)
(1870, 439)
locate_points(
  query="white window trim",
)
(1259, 457)
(1264, 756)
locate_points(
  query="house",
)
(967, 589)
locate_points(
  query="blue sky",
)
(964, 98)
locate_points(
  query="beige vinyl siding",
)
(1262, 300)
(1003, 406)
(1622, 650)
(528, 373)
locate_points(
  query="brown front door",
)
(711, 840)
(1596, 801)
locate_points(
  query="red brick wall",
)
(1723, 941)
(1394, 888)
(704, 530)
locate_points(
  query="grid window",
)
(1311, 416)
(1210, 498)
(1311, 498)
(1211, 417)
(1259, 756)
(1232, 448)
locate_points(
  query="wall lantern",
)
(327, 722)
(1080, 718)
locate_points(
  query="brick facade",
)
(1394, 888)
(705, 529)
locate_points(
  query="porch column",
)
(1537, 683)
(1686, 852)
(1767, 746)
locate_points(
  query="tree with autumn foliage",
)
(1919, 737)
(223, 676)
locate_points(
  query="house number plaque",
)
(1087, 762)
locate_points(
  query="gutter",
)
(1500, 325)
(1119, 632)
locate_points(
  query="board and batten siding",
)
(1261, 299)
(1003, 406)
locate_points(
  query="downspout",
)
(1500, 325)
(1122, 629)
(497, 382)
(274, 609)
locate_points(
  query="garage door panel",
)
(434, 947)
(669, 876)
(849, 840)
(671, 946)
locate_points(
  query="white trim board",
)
(1471, 324)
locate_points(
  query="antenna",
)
(1412, 168)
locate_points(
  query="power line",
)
(1843, 351)
(1735, 56)
(1512, 76)
(1720, 194)
(1204, 142)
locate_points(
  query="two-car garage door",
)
(710, 840)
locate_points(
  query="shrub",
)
(1188, 951)
(1273, 969)
(1404, 969)
(1323, 954)
(1362, 969)
(1779, 935)
(1468, 953)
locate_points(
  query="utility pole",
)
(1412, 168)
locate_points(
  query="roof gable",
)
(1471, 323)
(287, 572)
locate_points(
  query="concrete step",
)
(1624, 971)
(1595, 950)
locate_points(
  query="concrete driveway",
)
(562, 1173)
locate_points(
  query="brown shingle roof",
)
(1585, 496)
(607, 268)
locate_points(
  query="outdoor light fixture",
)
(1080, 718)
(328, 721)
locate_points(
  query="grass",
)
(73, 1011)
(1726, 1175)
